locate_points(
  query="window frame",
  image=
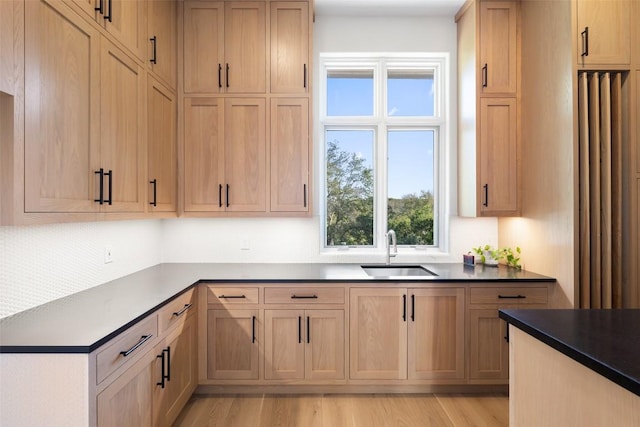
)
(381, 123)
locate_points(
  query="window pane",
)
(411, 186)
(349, 216)
(410, 93)
(350, 93)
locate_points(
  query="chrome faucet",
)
(393, 242)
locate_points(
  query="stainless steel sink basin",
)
(397, 271)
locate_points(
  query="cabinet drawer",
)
(304, 295)
(232, 295)
(511, 295)
(176, 311)
(126, 346)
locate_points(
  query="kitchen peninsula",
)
(217, 326)
(574, 367)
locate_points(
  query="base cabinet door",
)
(232, 344)
(488, 348)
(128, 401)
(436, 334)
(304, 344)
(378, 333)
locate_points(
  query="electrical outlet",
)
(245, 244)
(108, 254)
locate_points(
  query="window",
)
(384, 143)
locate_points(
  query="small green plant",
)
(511, 257)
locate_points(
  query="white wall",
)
(39, 264)
(43, 263)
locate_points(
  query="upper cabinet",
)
(228, 56)
(489, 117)
(498, 47)
(125, 20)
(289, 47)
(162, 40)
(603, 32)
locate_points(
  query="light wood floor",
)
(337, 410)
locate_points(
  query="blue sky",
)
(410, 160)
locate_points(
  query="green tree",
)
(411, 217)
(349, 198)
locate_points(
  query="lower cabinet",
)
(232, 344)
(488, 351)
(400, 333)
(304, 344)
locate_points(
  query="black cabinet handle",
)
(142, 340)
(232, 296)
(308, 330)
(485, 203)
(253, 329)
(184, 309)
(413, 308)
(110, 175)
(168, 350)
(154, 58)
(512, 296)
(100, 198)
(108, 15)
(304, 78)
(219, 76)
(294, 296)
(162, 374)
(484, 75)
(227, 195)
(220, 196)
(154, 182)
(100, 7)
(506, 336)
(404, 308)
(304, 194)
(585, 42)
(227, 76)
(299, 329)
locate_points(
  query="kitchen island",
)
(164, 331)
(574, 367)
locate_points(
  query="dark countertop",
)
(606, 341)
(82, 322)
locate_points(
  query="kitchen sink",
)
(396, 271)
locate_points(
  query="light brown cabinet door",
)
(284, 344)
(378, 333)
(603, 32)
(245, 47)
(289, 155)
(498, 149)
(62, 120)
(488, 350)
(232, 344)
(204, 155)
(289, 47)
(203, 47)
(324, 345)
(161, 148)
(128, 401)
(162, 40)
(245, 154)
(436, 333)
(126, 20)
(181, 371)
(498, 47)
(122, 121)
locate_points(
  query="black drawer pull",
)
(294, 296)
(143, 339)
(232, 296)
(512, 296)
(181, 312)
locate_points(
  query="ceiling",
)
(387, 7)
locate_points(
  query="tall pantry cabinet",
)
(245, 107)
